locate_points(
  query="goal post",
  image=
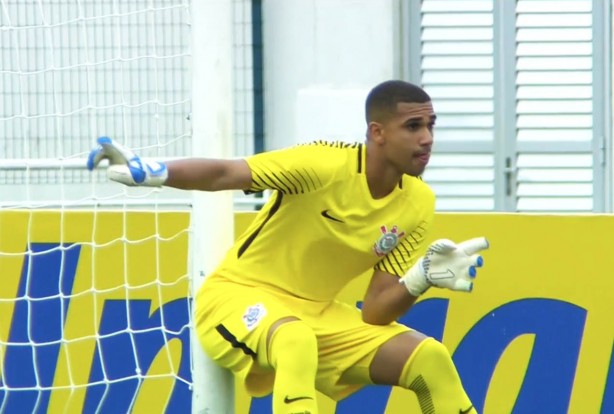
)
(212, 223)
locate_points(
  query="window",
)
(520, 91)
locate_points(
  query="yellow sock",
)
(431, 374)
(293, 352)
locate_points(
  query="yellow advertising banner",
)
(94, 315)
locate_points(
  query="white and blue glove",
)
(125, 166)
(446, 265)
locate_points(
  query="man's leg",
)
(423, 365)
(292, 350)
(251, 332)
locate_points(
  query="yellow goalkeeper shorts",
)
(232, 318)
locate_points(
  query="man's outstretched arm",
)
(207, 174)
(187, 174)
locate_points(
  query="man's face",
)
(408, 137)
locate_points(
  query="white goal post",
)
(212, 213)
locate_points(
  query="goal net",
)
(95, 309)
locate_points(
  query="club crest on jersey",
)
(253, 315)
(387, 241)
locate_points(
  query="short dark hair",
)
(383, 99)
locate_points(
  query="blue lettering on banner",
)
(557, 326)
(33, 348)
(31, 356)
(119, 353)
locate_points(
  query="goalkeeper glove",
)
(125, 166)
(446, 265)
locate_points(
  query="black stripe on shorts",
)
(234, 341)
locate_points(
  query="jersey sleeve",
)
(295, 170)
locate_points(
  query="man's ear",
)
(376, 132)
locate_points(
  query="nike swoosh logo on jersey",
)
(328, 216)
(288, 400)
(467, 411)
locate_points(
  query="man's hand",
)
(446, 265)
(125, 166)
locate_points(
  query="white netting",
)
(94, 294)
(74, 70)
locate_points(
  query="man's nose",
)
(427, 138)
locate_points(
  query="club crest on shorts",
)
(253, 315)
(388, 240)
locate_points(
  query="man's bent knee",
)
(291, 337)
(389, 359)
(276, 325)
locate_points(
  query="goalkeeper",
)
(269, 313)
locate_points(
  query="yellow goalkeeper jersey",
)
(321, 227)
